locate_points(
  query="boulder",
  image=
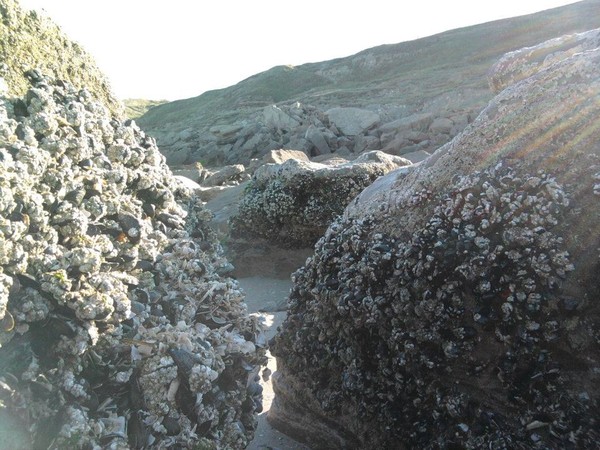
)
(293, 203)
(352, 121)
(415, 122)
(441, 125)
(454, 304)
(362, 143)
(114, 318)
(315, 136)
(224, 175)
(522, 63)
(274, 117)
(416, 156)
(282, 155)
(192, 172)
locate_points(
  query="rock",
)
(224, 175)
(188, 183)
(441, 125)
(520, 64)
(316, 137)
(113, 312)
(178, 157)
(192, 172)
(282, 155)
(416, 156)
(274, 117)
(223, 201)
(291, 204)
(396, 81)
(363, 143)
(453, 305)
(416, 122)
(29, 40)
(352, 121)
(226, 134)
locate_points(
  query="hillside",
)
(29, 41)
(444, 75)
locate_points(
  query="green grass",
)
(136, 107)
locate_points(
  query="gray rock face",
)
(520, 64)
(454, 304)
(282, 155)
(274, 117)
(224, 175)
(294, 202)
(116, 329)
(352, 121)
(317, 139)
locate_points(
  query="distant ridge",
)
(441, 74)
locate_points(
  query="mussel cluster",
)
(117, 328)
(463, 334)
(293, 203)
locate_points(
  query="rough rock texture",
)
(520, 64)
(224, 175)
(293, 203)
(116, 329)
(281, 156)
(352, 121)
(30, 41)
(455, 304)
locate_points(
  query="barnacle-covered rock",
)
(520, 64)
(29, 40)
(454, 305)
(293, 203)
(116, 330)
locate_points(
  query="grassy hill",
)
(29, 40)
(447, 70)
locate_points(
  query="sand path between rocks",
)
(263, 297)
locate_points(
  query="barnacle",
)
(108, 266)
(402, 326)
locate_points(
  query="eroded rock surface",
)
(454, 305)
(116, 329)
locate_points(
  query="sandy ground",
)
(263, 295)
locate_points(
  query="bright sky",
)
(171, 49)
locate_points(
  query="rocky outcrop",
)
(116, 328)
(346, 103)
(293, 203)
(454, 304)
(520, 64)
(30, 41)
(314, 132)
(352, 121)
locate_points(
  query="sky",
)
(173, 49)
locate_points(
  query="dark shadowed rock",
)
(454, 304)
